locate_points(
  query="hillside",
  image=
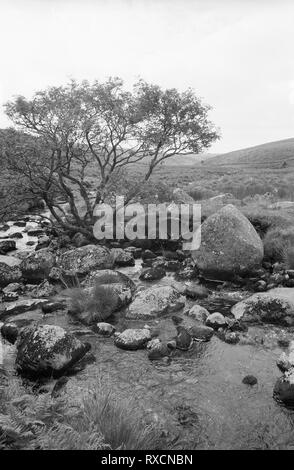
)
(269, 155)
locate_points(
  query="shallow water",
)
(197, 398)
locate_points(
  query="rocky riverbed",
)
(184, 364)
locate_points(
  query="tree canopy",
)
(65, 135)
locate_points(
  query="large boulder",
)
(229, 245)
(9, 274)
(6, 246)
(155, 302)
(274, 306)
(47, 350)
(37, 265)
(85, 259)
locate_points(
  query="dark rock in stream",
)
(6, 246)
(184, 339)
(121, 257)
(53, 306)
(157, 349)
(196, 291)
(16, 235)
(10, 330)
(152, 274)
(249, 380)
(47, 350)
(105, 329)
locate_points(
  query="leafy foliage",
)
(99, 421)
(100, 129)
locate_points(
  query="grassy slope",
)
(270, 155)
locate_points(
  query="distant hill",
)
(270, 155)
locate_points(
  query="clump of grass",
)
(93, 304)
(277, 242)
(100, 420)
(289, 257)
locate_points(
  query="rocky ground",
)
(203, 340)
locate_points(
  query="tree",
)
(79, 132)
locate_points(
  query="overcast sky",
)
(236, 54)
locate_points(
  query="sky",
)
(236, 54)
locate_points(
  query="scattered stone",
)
(37, 265)
(6, 246)
(9, 274)
(136, 252)
(10, 330)
(53, 306)
(284, 362)
(249, 380)
(12, 287)
(157, 350)
(43, 290)
(172, 265)
(197, 330)
(231, 337)
(16, 235)
(105, 329)
(121, 257)
(197, 312)
(21, 306)
(9, 296)
(83, 260)
(216, 320)
(284, 388)
(79, 240)
(155, 302)
(152, 274)
(187, 274)
(47, 350)
(148, 254)
(184, 340)
(43, 242)
(196, 291)
(108, 276)
(20, 223)
(36, 232)
(132, 339)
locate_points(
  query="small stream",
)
(197, 398)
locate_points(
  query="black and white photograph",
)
(146, 228)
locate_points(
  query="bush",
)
(278, 242)
(98, 301)
(99, 421)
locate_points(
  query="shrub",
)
(98, 302)
(277, 242)
(289, 257)
(99, 421)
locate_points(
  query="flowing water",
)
(197, 397)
